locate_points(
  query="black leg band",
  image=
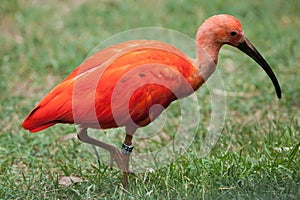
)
(126, 149)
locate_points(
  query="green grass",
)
(257, 155)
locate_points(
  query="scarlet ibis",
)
(147, 73)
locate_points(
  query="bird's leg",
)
(115, 153)
(126, 149)
(121, 157)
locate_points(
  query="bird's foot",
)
(121, 158)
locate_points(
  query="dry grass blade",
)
(66, 137)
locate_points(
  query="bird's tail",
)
(52, 109)
(35, 121)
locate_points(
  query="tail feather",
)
(35, 122)
(34, 128)
(52, 109)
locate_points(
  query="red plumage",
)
(142, 73)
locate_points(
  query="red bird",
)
(118, 85)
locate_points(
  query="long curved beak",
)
(250, 50)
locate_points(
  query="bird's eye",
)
(233, 33)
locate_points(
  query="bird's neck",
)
(207, 51)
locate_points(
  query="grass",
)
(257, 155)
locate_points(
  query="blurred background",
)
(41, 42)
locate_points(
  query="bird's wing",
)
(136, 81)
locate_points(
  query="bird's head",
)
(226, 29)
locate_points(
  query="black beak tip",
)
(279, 94)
